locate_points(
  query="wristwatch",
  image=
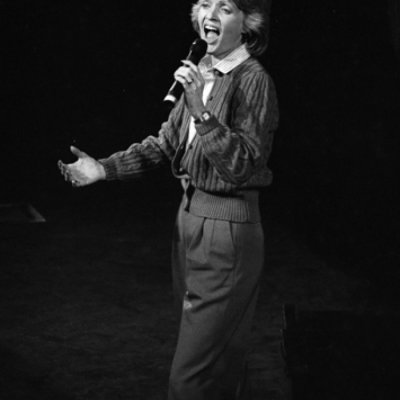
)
(205, 116)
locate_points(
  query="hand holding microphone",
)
(196, 53)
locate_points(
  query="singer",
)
(218, 139)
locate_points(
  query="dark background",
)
(93, 74)
(85, 297)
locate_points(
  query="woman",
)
(218, 139)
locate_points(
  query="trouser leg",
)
(178, 263)
(217, 265)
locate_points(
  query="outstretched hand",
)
(85, 171)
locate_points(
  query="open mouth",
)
(211, 32)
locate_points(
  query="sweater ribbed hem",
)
(242, 207)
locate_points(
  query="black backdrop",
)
(93, 73)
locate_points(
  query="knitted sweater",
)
(229, 154)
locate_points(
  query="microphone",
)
(196, 53)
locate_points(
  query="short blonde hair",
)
(255, 24)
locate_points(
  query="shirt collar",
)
(227, 64)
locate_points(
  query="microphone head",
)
(197, 50)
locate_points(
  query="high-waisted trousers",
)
(216, 271)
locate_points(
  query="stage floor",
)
(86, 301)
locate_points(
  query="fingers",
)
(182, 76)
(64, 170)
(76, 183)
(78, 153)
(181, 80)
(189, 84)
(191, 66)
(66, 173)
(188, 74)
(61, 166)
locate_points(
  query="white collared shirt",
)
(224, 66)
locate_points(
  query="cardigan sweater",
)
(228, 156)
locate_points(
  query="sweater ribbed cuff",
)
(109, 168)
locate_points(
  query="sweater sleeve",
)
(238, 151)
(151, 153)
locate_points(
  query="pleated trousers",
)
(216, 271)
